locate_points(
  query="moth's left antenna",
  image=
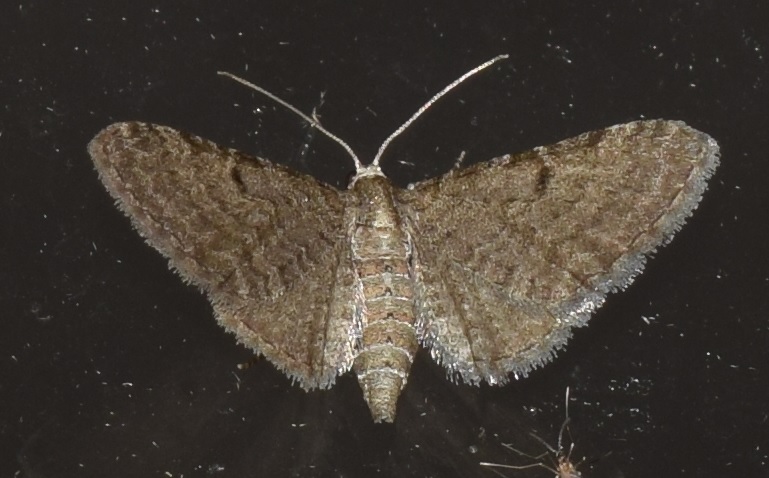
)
(286, 104)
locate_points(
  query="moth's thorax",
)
(384, 308)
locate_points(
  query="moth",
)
(488, 266)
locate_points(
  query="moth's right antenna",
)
(432, 100)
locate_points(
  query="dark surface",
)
(110, 366)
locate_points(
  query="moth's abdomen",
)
(385, 296)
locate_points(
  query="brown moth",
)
(489, 266)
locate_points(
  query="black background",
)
(110, 366)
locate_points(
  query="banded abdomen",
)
(384, 299)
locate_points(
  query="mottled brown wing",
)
(265, 243)
(513, 253)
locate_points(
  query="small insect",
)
(562, 464)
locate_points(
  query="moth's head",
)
(368, 171)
